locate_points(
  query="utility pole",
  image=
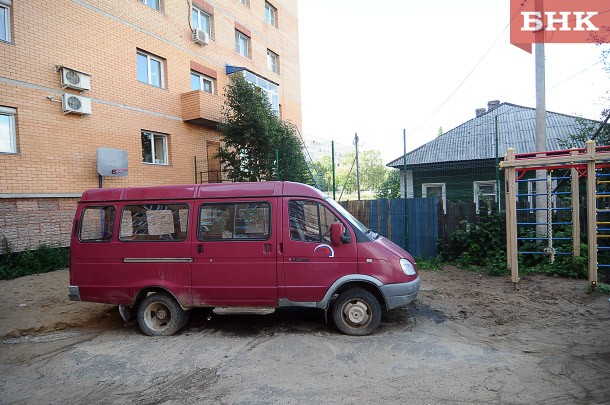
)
(356, 139)
(541, 145)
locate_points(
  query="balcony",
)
(202, 108)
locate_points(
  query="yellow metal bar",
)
(591, 213)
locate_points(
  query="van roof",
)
(219, 190)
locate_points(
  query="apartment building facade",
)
(141, 79)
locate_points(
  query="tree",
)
(252, 133)
(390, 188)
(372, 171)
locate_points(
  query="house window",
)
(201, 21)
(5, 20)
(244, 2)
(202, 82)
(242, 44)
(8, 142)
(156, 4)
(154, 148)
(271, 14)
(273, 61)
(150, 69)
(435, 190)
(270, 89)
(484, 193)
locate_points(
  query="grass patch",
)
(436, 263)
(43, 259)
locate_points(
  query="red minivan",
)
(159, 252)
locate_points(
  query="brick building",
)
(142, 76)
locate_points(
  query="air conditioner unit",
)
(74, 79)
(75, 104)
(201, 37)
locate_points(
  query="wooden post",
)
(511, 218)
(591, 212)
(575, 211)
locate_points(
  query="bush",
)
(43, 259)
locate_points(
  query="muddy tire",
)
(160, 315)
(356, 312)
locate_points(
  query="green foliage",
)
(372, 171)
(479, 246)
(43, 259)
(434, 263)
(600, 289)
(390, 188)
(251, 135)
(586, 130)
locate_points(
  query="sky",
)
(379, 67)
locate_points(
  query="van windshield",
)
(352, 220)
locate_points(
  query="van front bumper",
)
(73, 293)
(400, 294)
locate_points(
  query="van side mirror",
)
(338, 234)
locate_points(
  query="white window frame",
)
(150, 57)
(153, 154)
(531, 191)
(270, 89)
(202, 14)
(11, 131)
(273, 61)
(154, 4)
(424, 192)
(6, 5)
(270, 14)
(477, 192)
(203, 78)
(238, 48)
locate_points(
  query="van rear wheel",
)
(160, 315)
(356, 312)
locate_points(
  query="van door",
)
(235, 253)
(311, 262)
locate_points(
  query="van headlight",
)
(407, 267)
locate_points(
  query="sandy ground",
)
(468, 339)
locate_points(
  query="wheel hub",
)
(161, 314)
(357, 313)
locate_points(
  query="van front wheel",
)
(160, 315)
(356, 312)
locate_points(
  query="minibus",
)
(159, 252)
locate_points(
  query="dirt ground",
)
(467, 339)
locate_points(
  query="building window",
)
(273, 61)
(156, 4)
(150, 69)
(271, 14)
(484, 193)
(270, 89)
(154, 148)
(242, 44)
(202, 82)
(5, 20)
(201, 20)
(8, 142)
(435, 190)
(245, 2)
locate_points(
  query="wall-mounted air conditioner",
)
(74, 79)
(71, 103)
(201, 37)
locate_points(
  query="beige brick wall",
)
(57, 153)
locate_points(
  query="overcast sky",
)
(378, 67)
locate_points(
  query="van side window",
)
(154, 222)
(310, 221)
(227, 221)
(97, 224)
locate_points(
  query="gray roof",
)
(475, 139)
